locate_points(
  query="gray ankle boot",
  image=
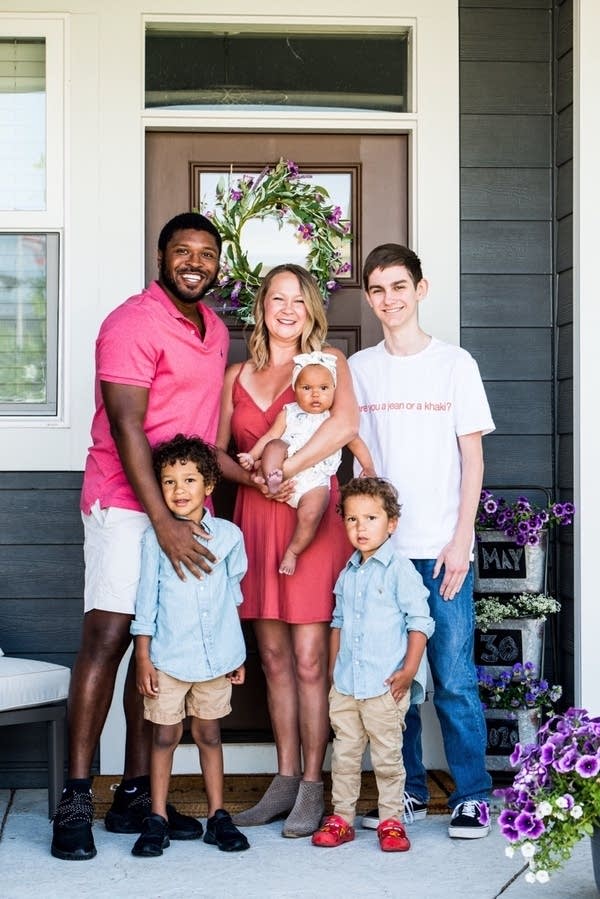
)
(276, 803)
(308, 810)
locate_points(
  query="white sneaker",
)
(414, 810)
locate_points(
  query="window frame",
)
(49, 221)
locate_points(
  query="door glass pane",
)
(187, 69)
(22, 124)
(28, 316)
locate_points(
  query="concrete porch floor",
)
(436, 867)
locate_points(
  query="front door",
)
(377, 167)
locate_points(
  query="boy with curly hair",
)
(189, 646)
(379, 630)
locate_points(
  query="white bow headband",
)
(327, 360)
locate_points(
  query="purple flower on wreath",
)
(306, 231)
(345, 267)
(235, 293)
(335, 215)
(235, 194)
(332, 285)
(293, 170)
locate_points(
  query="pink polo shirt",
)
(146, 342)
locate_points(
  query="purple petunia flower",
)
(566, 762)
(528, 825)
(588, 766)
(235, 195)
(335, 216)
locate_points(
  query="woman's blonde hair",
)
(315, 329)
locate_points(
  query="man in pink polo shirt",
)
(160, 360)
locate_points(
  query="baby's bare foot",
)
(288, 563)
(274, 479)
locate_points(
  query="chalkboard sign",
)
(499, 559)
(499, 647)
(501, 566)
(502, 735)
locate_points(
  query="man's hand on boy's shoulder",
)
(176, 538)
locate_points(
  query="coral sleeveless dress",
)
(307, 595)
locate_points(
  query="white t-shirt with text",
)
(412, 410)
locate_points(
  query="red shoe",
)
(333, 832)
(392, 836)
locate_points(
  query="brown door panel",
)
(382, 216)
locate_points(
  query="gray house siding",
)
(516, 319)
(516, 251)
(506, 228)
(41, 592)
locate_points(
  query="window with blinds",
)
(28, 323)
(22, 124)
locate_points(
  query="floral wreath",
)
(277, 191)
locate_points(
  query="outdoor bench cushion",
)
(26, 682)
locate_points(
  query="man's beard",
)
(166, 279)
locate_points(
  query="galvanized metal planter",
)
(595, 838)
(503, 567)
(508, 642)
(504, 730)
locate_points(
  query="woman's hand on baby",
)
(285, 492)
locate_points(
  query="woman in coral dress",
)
(290, 614)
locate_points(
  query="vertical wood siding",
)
(516, 244)
(41, 594)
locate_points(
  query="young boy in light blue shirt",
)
(380, 627)
(189, 646)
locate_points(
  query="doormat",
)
(243, 790)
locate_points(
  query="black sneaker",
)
(72, 837)
(222, 832)
(414, 810)
(130, 809)
(154, 837)
(470, 820)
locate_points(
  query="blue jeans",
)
(455, 697)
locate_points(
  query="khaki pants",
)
(356, 722)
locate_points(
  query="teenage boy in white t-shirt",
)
(423, 414)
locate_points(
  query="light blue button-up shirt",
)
(377, 603)
(194, 624)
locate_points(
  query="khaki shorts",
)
(178, 698)
(112, 553)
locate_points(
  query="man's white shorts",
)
(112, 553)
